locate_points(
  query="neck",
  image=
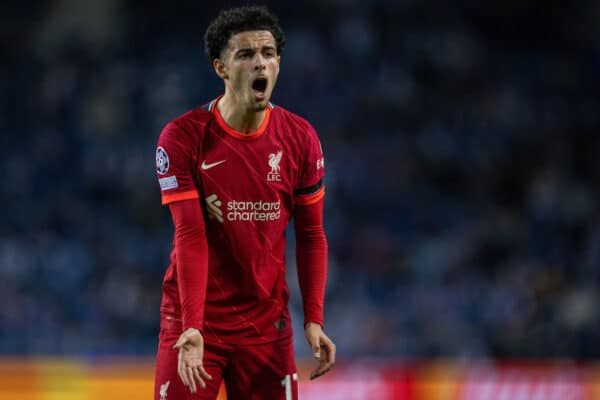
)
(239, 117)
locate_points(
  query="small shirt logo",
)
(163, 390)
(162, 161)
(274, 160)
(209, 166)
(169, 182)
(320, 163)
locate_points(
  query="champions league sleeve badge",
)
(162, 161)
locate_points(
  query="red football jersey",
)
(248, 185)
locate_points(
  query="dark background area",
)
(461, 141)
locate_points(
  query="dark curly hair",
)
(236, 20)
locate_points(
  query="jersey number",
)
(287, 384)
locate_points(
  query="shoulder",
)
(296, 123)
(299, 132)
(187, 126)
(192, 119)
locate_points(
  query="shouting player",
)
(233, 173)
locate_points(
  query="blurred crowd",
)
(461, 139)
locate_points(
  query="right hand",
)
(189, 366)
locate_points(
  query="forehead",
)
(251, 39)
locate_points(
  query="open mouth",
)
(259, 85)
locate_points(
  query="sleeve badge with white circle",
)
(162, 161)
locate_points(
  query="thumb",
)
(180, 342)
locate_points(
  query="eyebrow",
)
(251, 49)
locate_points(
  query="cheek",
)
(237, 76)
(275, 69)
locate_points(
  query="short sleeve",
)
(310, 188)
(175, 161)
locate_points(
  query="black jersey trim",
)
(311, 189)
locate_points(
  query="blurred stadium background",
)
(463, 208)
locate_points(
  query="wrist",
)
(193, 331)
(308, 324)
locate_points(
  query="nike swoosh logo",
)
(209, 166)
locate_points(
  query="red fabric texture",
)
(191, 250)
(311, 259)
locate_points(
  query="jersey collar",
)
(212, 107)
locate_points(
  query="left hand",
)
(322, 347)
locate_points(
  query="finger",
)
(314, 374)
(316, 347)
(330, 349)
(328, 361)
(198, 378)
(180, 369)
(190, 376)
(328, 366)
(322, 369)
(203, 373)
(317, 372)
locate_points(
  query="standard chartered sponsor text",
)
(253, 210)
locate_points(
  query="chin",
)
(261, 105)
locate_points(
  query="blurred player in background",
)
(233, 173)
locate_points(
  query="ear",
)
(220, 68)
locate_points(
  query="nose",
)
(259, 64)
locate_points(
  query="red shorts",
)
(253, 372)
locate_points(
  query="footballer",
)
(233, 173)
